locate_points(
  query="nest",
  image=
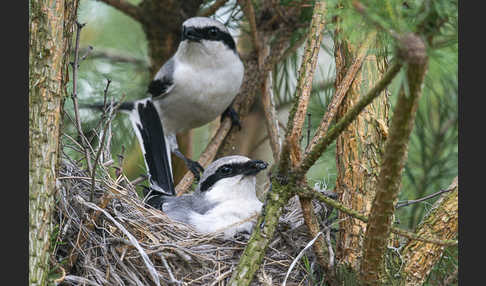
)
(116, 240)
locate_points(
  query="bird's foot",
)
(195, 168)
(233, 115)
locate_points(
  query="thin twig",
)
(271, 119)
(330, 250)
(250, 15)
(410, 202)
(114, 56)
(74, 96)
(93, 173)
(291, 149)
(309, 115)
(139, 179)
(166, 265)
(312, 224)
(307, 191)
(297, 258)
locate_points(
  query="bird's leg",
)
(193, 166)
(233, 115)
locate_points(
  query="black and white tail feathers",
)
(150, 134)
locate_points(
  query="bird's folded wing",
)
(150, 134)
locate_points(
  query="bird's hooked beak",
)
(191, 34)
(255, 166)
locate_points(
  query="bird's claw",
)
(233, 115)
(195, 168)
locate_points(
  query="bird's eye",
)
(226, 170)
(213, 32)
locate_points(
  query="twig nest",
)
(116, 240)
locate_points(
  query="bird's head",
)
(205, 35)
(231, 175)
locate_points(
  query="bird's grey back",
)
(180, 208)
(166, 71)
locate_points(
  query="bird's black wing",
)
(154, 147)
(163, 81)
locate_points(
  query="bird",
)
(196, 85)
(225, 198)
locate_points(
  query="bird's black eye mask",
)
(234, 169)
(208, 33)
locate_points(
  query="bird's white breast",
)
(236, 201)
(204, 88)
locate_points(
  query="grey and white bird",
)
(197, 84)
(224, 197)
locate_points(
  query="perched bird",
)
(197, 84)
(225, 194)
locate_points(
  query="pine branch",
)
(291, 153)
(412, 50)
(342, 90)
(311, 157)
(123, 6)
(308, 192)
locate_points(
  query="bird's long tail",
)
(150, 134)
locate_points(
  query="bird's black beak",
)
(191, 34)
(255, 166)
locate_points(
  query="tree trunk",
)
(442, 223)
(358, 150)
(412, 50)
(51, 28)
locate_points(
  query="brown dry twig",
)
(74, 96)
(342, 89)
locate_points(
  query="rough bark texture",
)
(412, 50)
(51, 28)
(358, 151)
(441, 222)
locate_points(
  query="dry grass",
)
(118, 241)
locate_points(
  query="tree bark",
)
(358, 150)
(441, 222)
(412, 50)
(51, 26)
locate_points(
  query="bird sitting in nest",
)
(225, 198)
